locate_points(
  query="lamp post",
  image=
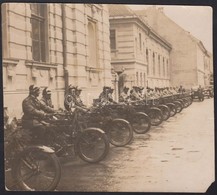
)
(117, 82)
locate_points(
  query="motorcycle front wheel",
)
(155, 116)
(36, 170)
(120, 132)
(92, 145)
(140, 122)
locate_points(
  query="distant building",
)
(188, 56)
(54, 45)
(139, 55)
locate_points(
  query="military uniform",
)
(134, 96)
(123, 97)
(34, 112)
(69, 102)
(47, 102)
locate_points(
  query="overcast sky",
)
(195, 19)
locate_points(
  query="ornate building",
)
(138, 53)
(54, 45)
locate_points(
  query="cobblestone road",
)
(176, 156)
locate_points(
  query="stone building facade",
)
(53, 45)
(137, 51)
(188, 56)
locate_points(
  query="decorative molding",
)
(11, 71)
(41, 64)
(92, 69)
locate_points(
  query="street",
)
(176, 156)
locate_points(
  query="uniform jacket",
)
(47, 102)
(34, 109)
(123, 97)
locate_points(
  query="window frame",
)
(93, 23)
(42, 20)
(115, 39)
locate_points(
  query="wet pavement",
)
(177, 155)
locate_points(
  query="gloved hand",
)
(48, 115)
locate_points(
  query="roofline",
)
(150, 30)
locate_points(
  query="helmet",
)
(33, 89)
(126, 88)
(71, 87)
(46, 91)
(78, 89)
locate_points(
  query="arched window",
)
(92, 44)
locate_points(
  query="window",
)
(113, 39)
(163, 67)
(159, 65)
(144, 80)
(137, 78)
(140, 78)
(167, 67)
(153, 63)
(147, 60)
(140, 41)
(38, 18)
(92, 44)
(4, 30)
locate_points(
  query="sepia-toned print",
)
(107, 97)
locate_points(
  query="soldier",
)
(46, 97)
(140, 92)
(200, 93)
(110, 95)
(35, 112)
(124, 95)
(149, 92)
(134, 94)
(69, 101)
(78, 101)
(104, 96)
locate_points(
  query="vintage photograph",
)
(107, 97)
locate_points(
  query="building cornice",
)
(138, 21)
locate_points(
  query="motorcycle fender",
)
(155, 108)
(95, 129)
(171, 104)
(120, 119)
(160, 106)
(42, 148)
(142, 114)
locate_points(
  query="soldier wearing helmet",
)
(35, 112)
(69, 101)
(134, 96)
(124, 97)
(78, 101)
(46, 97)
